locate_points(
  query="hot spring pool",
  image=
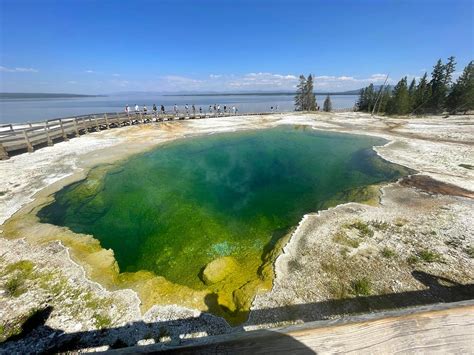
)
(227, 198)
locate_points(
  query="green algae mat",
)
(207, 212)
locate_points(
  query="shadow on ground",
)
(38, 337)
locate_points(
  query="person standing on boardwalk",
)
(155, 111)
(175, 110)
(137, 110)
(225, 108)
(162, 109)
(145, 112)
(186, 108)
(218, 109)
(200, 111)
(127, 110)
(194, 110)
(233, 110)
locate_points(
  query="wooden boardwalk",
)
(26, 137)
(434, 329)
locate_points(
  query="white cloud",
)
(115, 74)
(89, 71)
(72, 82)
(378, 77)
(346, 78)
(18, 70)
(261, 81)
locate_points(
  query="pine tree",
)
(300, 93)
(384, 99)
(422, 95)
(327, 107)
(439, 84)
(448, 71)
(309, 97)
(367, 98)
(461, 97)
(411, 94)
(438, 89)
(361, 103)
(399, 104)
(371, 97)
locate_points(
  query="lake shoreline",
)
(407, 137)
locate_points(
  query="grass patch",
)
(388, 253)
(361, 287)
(20, 272)
(362, 228)
(23, 266)
(342, 239)
(413, 260)
(102, 321)
(429, 256)
(15, 286)
(380, 225)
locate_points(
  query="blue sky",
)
(85, 46)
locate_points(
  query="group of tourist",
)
(213, 110)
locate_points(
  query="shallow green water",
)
(175, 209)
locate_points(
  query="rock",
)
(218, 269)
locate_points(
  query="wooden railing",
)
(26, 137)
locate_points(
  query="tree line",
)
(427, 96)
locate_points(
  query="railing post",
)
(97, 127)
(84, 124)
(75, 127)
(141, 118)
(106, 121)
(3, 152)
(48, 137)
(27, 141)
(129, 119)
(62, 130)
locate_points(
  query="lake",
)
(24, 110)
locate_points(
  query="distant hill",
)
(38, 95)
